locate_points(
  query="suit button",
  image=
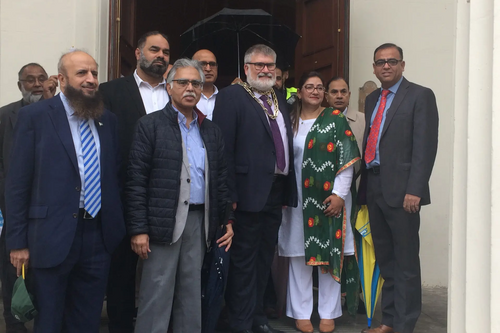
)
(189, 180)
(77, 188)
(186, 202)
(75, 215)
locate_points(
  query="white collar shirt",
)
(206, 104)
(153, 98)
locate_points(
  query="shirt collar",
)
(67, 106)
(140, 81)
(394, 88)
(182, 118)
(216, 91)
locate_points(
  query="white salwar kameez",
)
(291, 244)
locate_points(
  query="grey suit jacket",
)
(8, 119)
(408, 142)
(356, 121)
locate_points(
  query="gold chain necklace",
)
(250, 90)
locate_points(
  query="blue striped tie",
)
(92, 195)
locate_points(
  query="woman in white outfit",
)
(318, 231)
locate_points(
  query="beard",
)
(262, 85)
(150, 68)
(86, 107)
(29, 97)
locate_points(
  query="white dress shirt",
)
(206, 104)
(74, 126)
(154, 99)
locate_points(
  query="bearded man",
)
(131, 98)
(256, 126)
(34, 85)
(63, 199)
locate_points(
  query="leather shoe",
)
(326, 325)
(244, 331)
(304, 325)
(380, 329)
(265, 329)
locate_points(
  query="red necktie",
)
(371, 143)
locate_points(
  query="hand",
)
(18, 258)
(236, 81)
(335, 207)
(50, 86)
(411, 204)
(227, 239)
(235, 205)
(140, 245)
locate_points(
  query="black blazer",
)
(408, 143)
(44, 184)
(250, 151)
(8, 119)
(122, 97)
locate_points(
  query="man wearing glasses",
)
(176, 197)
(256, 126)
(34, 85)
(209, 93)
(399, 149)
(338, 96)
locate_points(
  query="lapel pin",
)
(100, 124)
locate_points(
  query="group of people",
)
(151, 167)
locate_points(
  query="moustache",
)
(188, 93)
(161, 60)
(90, 85)
(269, 75)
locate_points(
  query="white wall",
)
(425, 29)
(41, 31)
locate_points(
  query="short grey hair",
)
(183, 63)
(60, 64)
(259, 49)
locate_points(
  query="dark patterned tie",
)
(278, 142)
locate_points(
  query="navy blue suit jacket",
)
(43, 184)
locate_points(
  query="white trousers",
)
(299, 303)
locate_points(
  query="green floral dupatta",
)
(330, 149)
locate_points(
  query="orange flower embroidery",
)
(326, 186)
(310, 144)
(310, 222)
(338, 234)
(336, 112)
(306, 183)
(330, 147)
(348, 133)
(313, 259)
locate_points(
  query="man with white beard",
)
(256, 126)
(34, 84)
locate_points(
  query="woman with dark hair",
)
(318, 231)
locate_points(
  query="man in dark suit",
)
(63, 203)
(256, 126)
(130, 98)
(34, 85)
(400, 145)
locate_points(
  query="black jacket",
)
(153, 175)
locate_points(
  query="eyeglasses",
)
(278, 78)
(391, 62)
(310, 88)
(342, 92)
(260, 65)
(208, 63)
(184, 83)
(31, 80)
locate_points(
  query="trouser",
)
(171, 279)
(396, 240)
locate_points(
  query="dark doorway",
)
(321, 23)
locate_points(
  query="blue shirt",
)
(74, 126)
(196, 156)
(390, 98)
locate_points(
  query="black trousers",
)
(252, 252)
(121, 289)
(397, 245)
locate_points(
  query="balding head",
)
(209, 64)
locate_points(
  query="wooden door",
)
(324, 46)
